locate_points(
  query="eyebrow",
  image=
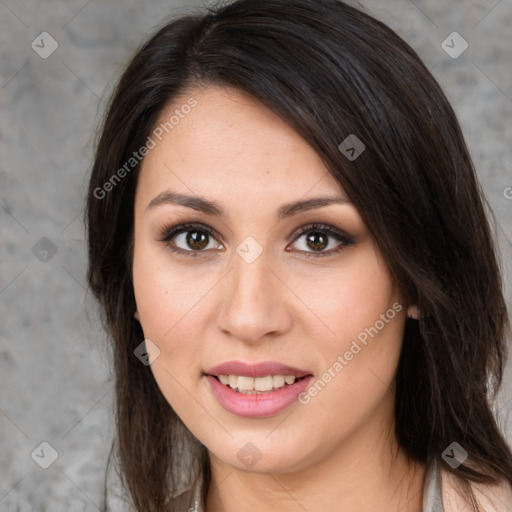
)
(212, 208)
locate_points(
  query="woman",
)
(292, 254)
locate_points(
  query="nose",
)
(254, 301)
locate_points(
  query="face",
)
(234, 263)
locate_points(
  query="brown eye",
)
(197, 240)
(312, 240)
(190, 239)
(317, 241)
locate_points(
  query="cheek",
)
(360, 336)
(352, 301)
(159, 306)
(169, 304)
(166, 295)
(174, 305)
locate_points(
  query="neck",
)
(355, 476)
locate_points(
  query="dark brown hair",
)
(329, 71)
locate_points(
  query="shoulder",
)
(491, 498)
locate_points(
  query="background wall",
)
(55, 382)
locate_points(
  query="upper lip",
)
(261, 369)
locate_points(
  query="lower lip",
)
(257, 406)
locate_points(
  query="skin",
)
(284, 306)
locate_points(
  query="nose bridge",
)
(253, 304)
(250, 285)
(251, 278)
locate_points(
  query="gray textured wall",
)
(55, 382)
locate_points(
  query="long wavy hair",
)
(329, 70)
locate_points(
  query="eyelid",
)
(183, 227)
(320, 227)
(341, 236)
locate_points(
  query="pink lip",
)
(261, 369)
(257, 406)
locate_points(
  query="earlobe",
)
(413, 312)
(136, 315)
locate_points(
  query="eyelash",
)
(340, 236)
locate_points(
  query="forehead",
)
(230, 142)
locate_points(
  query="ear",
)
(413, 312)
(136, 315)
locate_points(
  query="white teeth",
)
(245, 383)
(263, 383)
(233, 381)
(278, 381)
(256, 384)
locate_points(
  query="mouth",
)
(257, 385)
(256, 397)
(256, 390)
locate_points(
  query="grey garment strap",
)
(191, 499)
(187, 496)
(188, 500)
(432, 494)
(195, 503)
